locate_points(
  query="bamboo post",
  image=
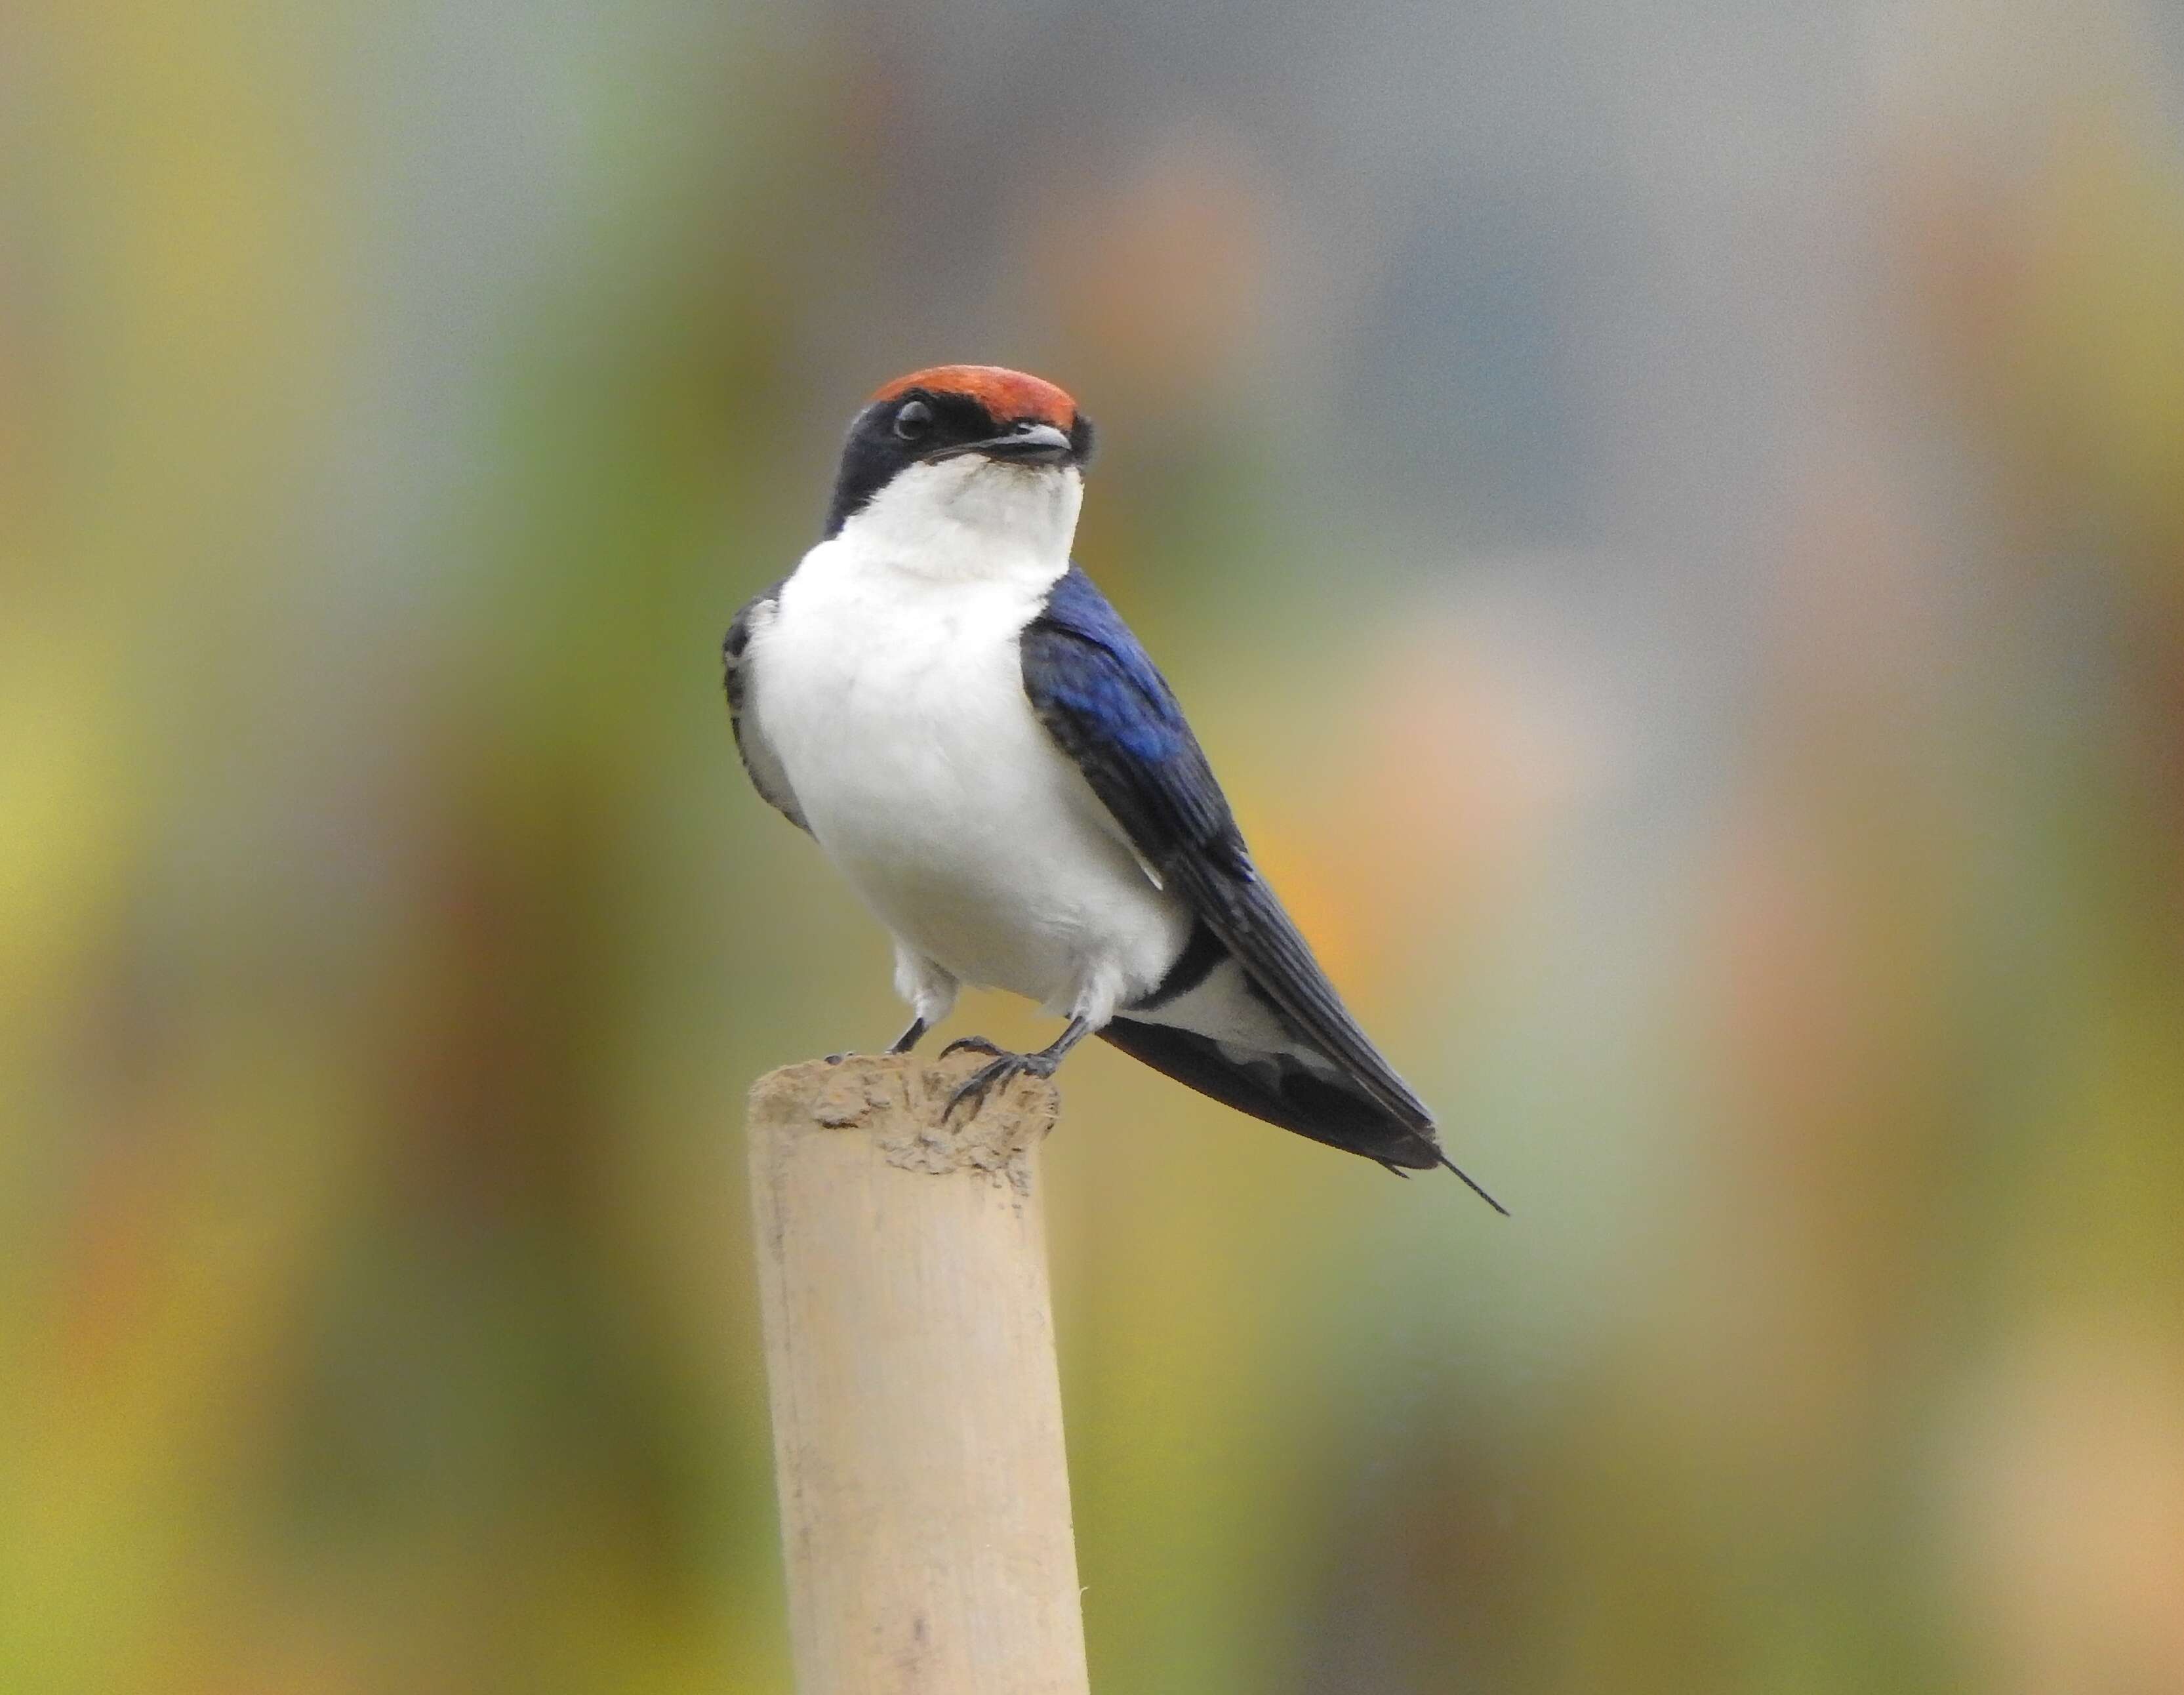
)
(909, 1358)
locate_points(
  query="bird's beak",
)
(1025, 444)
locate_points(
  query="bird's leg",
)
(1004, 1066)
(929, 988)
(902, 1044)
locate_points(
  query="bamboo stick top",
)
(900, 1099)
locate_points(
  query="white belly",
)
(897, 707)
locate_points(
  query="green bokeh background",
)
(1670, 522)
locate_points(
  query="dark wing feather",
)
(1278, 1089)
(761, 761)
(1110, 710)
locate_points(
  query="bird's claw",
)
(973, 1088)
(1004, 1068)
(972, 1045)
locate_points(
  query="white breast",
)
(893, 693)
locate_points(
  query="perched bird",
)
(979, 745)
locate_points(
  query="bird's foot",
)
(1003, 1068)
(972, 1045)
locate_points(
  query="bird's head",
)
(961, 447)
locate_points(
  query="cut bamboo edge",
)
(917, 1406)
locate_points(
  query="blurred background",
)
(1669, 519)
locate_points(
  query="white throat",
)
(969, 519)
(891, 679)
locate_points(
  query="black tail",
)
(1281, 1091)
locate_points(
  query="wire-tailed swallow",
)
(978, 744)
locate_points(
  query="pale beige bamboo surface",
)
(910, 1358)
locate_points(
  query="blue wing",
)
(1109, 709)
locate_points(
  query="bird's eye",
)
(913, 420)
